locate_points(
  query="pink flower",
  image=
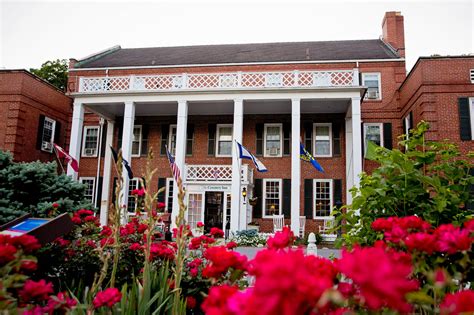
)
(108, 298)
(421, 241)
(281, 240)
(458, 303)
(451, 239)
(35, 291)
(216, 301)
(221, 260)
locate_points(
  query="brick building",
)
(330, 96)
(33, 115)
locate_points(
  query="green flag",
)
(370, 153)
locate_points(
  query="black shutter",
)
(39, 136)
(120, 134)
(189, 139)
(145, 132)
(470, 202)
(211, 143)
(99, 192)
(308, 140)
(387, 135)
(411, 121)
(336, 139)
(464, 119)
(308, 198)
(404, 126)
(165, 130)
(259, 138)
(362, 142)
(114, 186)
(257, 209)
(162, 195)
(287, 198)
(103, 141)
(286, 138)
(57, 132)
(337, 193)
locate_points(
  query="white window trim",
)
(53, 122)
(139, 141)
(380, 125)
(170, 135)
(280, 183)
(330, 195)
(407, 125)
(471, 116)
(218, 128)
(314, 139)
(380, 85)
(82, 179)
(83, 154)
(168, 185)
(137, 179)
(265, 140)
(471, 74)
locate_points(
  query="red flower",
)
(84, 213)
(106, 231)
(396, 234)
(200, 224)
(347, 289)
(421, 241)
(91, 244)
(135, 246)
(55, 205)
(382, 276)
(107, 241)
(413, 223)
(108, 298)
(216, 302)
(161, 251)
(194, 266)
(62, 242)
(76, 220)
(181, 229)
(37, 310)
(195, 243)
(458, 303)
(383, 224)
(142, 228)
(138, 192)
(231, 245)
(282, 239)
(216, 232)
(7, 253)
(451, 239)
(160, 205)
(469, 225)
(28, 265)
(35, 291)
(91, 218)
(221, 260)
(26, 242)
(191, 302)
(61, 302)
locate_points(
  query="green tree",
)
(34, 187)
(55, 72)
(428, 179)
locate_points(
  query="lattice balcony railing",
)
(222, 81)
(216, 173)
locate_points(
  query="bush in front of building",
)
(249, 238)
(34, 187)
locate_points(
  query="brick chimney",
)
(394, 31)
(72, 62)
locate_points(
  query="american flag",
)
(174, 167)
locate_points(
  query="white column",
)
(104, 199)
(76, 135)
(349, 162)
(180, 155)
(127, 135)
(356, 140)
(236, 213)
(295, 165)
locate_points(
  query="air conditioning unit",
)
(46, 146)
(372, 95)
(274, 151)
(89, 152)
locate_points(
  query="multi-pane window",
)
(272, 197)
(172, 140)
(228, 206)
(322, 140)
(224, 140)
(132, 201)
(91, 141)
(195, 209)
(137, 141)
(374, 133)
(322, 197)
(90, 186)
(169, 194)
(372, 82)
(48, 134)
(471, 113)
(273, 137)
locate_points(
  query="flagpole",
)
(57, 157)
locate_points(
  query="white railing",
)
(216, 173)
(216, 81)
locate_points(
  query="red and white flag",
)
(63, 154)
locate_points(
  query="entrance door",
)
(195, 209)
(214, 210)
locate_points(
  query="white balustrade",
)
(216, 173)
(216, 81)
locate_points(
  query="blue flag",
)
(306, 156)
(125, 163)
(245, 154)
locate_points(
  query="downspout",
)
(101, 127)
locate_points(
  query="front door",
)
(214, 210)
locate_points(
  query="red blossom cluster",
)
(108, 297)
(186, 229)
(203, 240)
(10, 246)
(221, 260)
(281, 240)
(458, 303)
(138, 192)
(85, 216)
(194, 266)
(216, 232)
(163, 250)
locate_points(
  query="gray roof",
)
(240, 53)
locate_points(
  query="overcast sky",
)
(32, 32)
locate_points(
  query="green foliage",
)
(55, 72)
(33, 188)
(249, 238)
(429, 179)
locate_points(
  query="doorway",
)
(214, 210)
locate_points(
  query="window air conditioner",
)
(46, 146)
(372, 95)
(89, 152)
(274, 151)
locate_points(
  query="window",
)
(471, 112)
(372, 82)
(273, 137)
(472, 75)
(195, 209)
(273, 79)
(172, 140)
(90, 188)
(322, 198)
(374, 133)
(169, 194)
(224, 140)
(323, 140)
(132, 205)
(48, 134)
(91, 141)
(272, 197)
(137, 140)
